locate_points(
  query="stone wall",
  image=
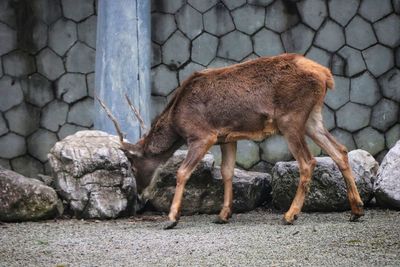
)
(358, 40)
(47, 53)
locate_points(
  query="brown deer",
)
(252, 100)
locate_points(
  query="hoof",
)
(170, 225)
(287, 222)
(219, 220)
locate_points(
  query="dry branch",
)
(137, 114)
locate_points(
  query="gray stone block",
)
(11, 93)
(243, 23)
(216, 152)
(3, 126)
(390, 84)
(353, 117)
(190, 21)
(37, 90)
(47, 10)
(1, 69)
(359, 33)
(162, 26)
(202, 5)
(267, 43)
(62, 35)
(364, 90)
(5, 164)
(314, 149)
(250, 57)
(23, 119)
(39, 36)
(279, 18)
(298, 39)
(18, 63)
(81, 113)
(329, 118)
(354, 61)
(338, 65)
(373, 10)
(330, 36)
(188, 70)
(204, 48)
(163, 80)
(49, 64)
(168, 6)
(343, 10)
(319, 55)
(379, 59)
(176, 51)
(235, 45)
(87, 31)
(275, 149)
(340, 95)
(220, 62)
(77, 10)
(398, 57)
(157, 106)
(155, 54)
(370, 140)
(27, 166)
(232, 4)
(384, 114)
(248, 153)
(345, 138)
(387, 30)
(54, 115)
(71, 87)
(8, 39)
(396, 6)
(7, 13)
(80, 58)
(260, 2)
(40, 143)
(312, 12)
(11, 146)
(90, 84)
(69, 129)
(218, 20)
(392, 136)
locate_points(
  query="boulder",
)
(25, 199)
(204, 191)
(327, 189)
(93, 176)
(387, 185)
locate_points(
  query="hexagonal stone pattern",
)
(40, 143)
(384, 114)
(298, 39)
(313, 147)
(168, 6)
(392, 136)
(370, 140)
(158, 104)
(260, 2)
(49, 64)
(204, 48)
(267, 43)
(54, 115)
(279, 18)
(77, 10)
(202, 5)
(387, 30)
(396, 6)
(235, 46)
(39, 36)
(68, 129)
(80, 58)
(3, 126)
(188, 70)
(242, 21)
(190, 21)
(81, 113)
(218, 21)
(11, 93)
(232, 4)
(340, 95)
(354, 61)
(328, 117)
(8, 39)
(164, 81)
(338, 65)
(37, 90)
(23, 119)
(176, 51)
(27, 166)
(275, 149)
(353, 117)
(398, 57)
(87, 31)
(364, 90)
(248, 153)
(11, 146)
(345, 138)
(18, 63)
(155, 54)
(47, 10)
(319, 55)
(312, 12)
(374, 10)
(330, 36)
(343, 10)
(379, 59)
(390, 84)
(7, 13)
(220, 62)
(71, 87)
(163, 25)
(62, 35)
(359, 33)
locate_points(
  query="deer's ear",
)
(132, 150)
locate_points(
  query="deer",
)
(253, 100)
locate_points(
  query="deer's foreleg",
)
(228, 152)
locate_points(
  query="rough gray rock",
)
(204, 48)
(387, 186)
(93, 175)
(327, 189)
(218, 20)
(24, 199)
(176, 50)
(204, 190)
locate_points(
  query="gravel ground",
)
(256, 239)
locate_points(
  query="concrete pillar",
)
(123, 64)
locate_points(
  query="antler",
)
(137, 114)
(113, 119)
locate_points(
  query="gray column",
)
(123, 63)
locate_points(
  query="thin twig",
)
(113, 119)
(137, 114)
